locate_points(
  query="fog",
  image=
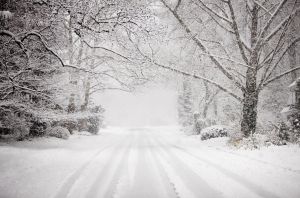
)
(150, 106)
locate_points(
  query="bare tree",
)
(256, 68)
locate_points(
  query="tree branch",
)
(237, 33)
(280, 76)
(214, 13)
(200, 78)
(280, 26)
(280, 58)
(106, 49)
(177, 5)
(16, 39)
(203, 48)
(267, 25)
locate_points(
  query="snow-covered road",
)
(140, 163)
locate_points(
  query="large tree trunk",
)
(249, 112)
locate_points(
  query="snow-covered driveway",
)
(144, 162)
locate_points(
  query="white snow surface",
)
(151, 162)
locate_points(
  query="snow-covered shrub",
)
(93, 124)
(280, 135)
(20, 131)
(13, 127)
(90, 120)
(295, 129)
(95, 120)
(286, 132)
(214, 132)
(254, 141)
(38, 128)
(235, 138)
(90, 124)
(283, 132)
(59, 132)
(70, 124)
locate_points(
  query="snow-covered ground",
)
(145, 162)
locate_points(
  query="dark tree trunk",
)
(249, 112)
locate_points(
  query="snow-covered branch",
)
(262, 7)
(202, 47)
(284, 51)
(200, 78)
(268, 24)
(237, 33)
(280, 76)
(177, 5)
(210, 10)
(16, 39)
(106, 49)
(228, 59)
(280, 26)
(170, 68)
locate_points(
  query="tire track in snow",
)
(120, 171)
(143, 180)
(197, 186)
(71, 180)
(113, 166)
(169, 186)
(128, 173)
(248, 184)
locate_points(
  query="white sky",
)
(147, 107)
